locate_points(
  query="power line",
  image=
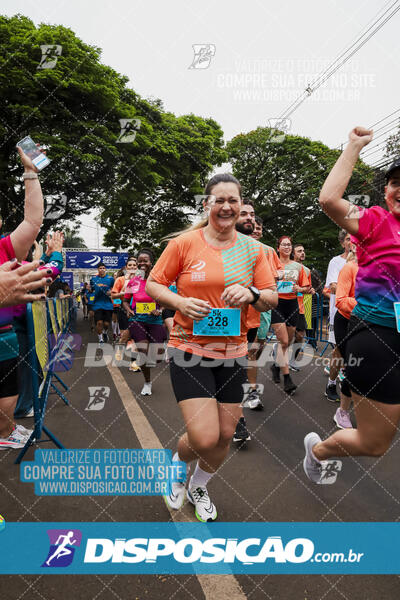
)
(384, 118)
(377, 123)
(371, 150)
(357, 40)
(333, 67)
(382, 163)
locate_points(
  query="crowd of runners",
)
(209, 305)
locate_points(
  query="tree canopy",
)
(284, 180)
(109, 147)
(137, 164)
(72, 239)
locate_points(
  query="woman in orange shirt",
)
(117, 296)
(345, 302)
(219, 272)
(293, 280)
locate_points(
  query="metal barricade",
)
(44, 338)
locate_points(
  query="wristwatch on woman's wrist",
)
(255, 292)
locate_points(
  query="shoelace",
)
(200, 495)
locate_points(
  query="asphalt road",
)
(263, 481)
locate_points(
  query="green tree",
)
(191, 146)
(75, 108)
(72, 239)
(284, 180)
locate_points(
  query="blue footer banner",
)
(212, 548)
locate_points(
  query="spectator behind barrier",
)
(16, 246)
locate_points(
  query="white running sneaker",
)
(16, 439)
(203, 507)
(253, 401)
(29, 414)
(176, 497)
(146, 391)
(134, 367)
(342, 419)
(24, 431)
(293, 366)
(312, 467)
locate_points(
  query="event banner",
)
(68, 277)
(91, 259)
(218, 548)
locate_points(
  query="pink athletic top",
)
(378, 276)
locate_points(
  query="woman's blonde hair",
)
(220, 178)
(351, 256)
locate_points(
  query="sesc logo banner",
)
(187, 548)
(90, 260)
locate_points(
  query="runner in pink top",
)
(373, 335)
(145, 322)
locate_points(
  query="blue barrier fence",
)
(48, 328)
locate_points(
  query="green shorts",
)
(265, 324)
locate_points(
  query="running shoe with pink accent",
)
(16, 439)
(342, 419)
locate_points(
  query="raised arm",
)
(331, 198)
(25, 234)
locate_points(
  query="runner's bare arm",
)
(25, 234)
(194, 308)
(237, 295)
(342, 212)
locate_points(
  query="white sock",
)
(114, 326)
(331, 381)
(100, 337)
(199, 478)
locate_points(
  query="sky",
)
(262, 56)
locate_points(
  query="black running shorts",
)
(200, 379)
(340, 328)
(251, 335)
(373, 361)
(103, 315)
(167, 313)
(286, 312)
(123, 321)
(340, 325)
(301, 324)
(9, 378)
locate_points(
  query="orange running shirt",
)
(345, 289)
(253, 316)
(204, 271)
(119, 286)
(293, 271)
